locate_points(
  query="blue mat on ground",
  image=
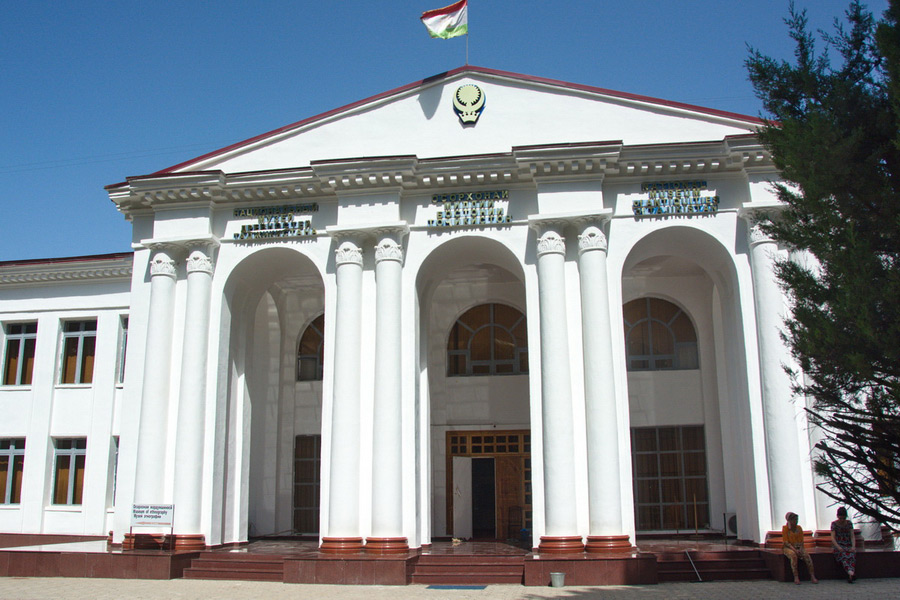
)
(456, 587)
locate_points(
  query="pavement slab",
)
(36, 588)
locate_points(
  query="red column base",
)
(561, 544)
(194, 542)
(179, 542)
(341, 545)
(146, 541)
(607, 544)
(387, 545)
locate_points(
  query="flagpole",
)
(467, 48)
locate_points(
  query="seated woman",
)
(844, 543)
(792, 536)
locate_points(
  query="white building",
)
(475, 305)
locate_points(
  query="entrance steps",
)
(728, 565)
(237, 566)
(449, 569)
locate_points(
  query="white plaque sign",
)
(162, 515)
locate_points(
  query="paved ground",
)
(33, 588)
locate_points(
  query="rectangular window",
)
(68, 482)
(19, 363)
(670, 483)
(123, 346)
(79, 343)
(307, 480)
(12, 465)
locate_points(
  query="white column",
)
(782, 445)
(191, 403)
(152, 433)
(604, 493)
(343, 492)
(387, 498)
(561, 526)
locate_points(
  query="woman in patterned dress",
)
(844, 543)
(792, 538)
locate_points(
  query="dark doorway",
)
(483, 499)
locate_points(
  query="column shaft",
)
(343, 490)
(191, 404)
(387, 498)
(556, 400)
(153, 429)
(782, 445)
(601, 419)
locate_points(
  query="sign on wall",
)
(276, 222)
(471, 208)
(674, 198)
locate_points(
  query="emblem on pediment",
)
(468, 103)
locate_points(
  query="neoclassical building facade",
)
(482, 305)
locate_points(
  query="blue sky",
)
(92, 92)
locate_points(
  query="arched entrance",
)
(687, 391)
(473, 343)
(272, 391)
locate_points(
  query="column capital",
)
(551, 242)
(199, 261)
(388, 249)
(592, 238)
(162, 264)
(754, 214)
(348, 252)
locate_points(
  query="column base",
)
(387, 545)
(607, 544)
(146, 541)
(561, 544)
(193, 542)
(341, 545)
(180, 542)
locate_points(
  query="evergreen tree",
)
(834, 133)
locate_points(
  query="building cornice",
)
(325, 180)
(82, 270)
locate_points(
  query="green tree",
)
(833, 129)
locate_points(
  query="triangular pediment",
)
(419, 120)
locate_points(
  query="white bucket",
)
(557, 579)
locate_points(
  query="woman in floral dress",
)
(844, 543)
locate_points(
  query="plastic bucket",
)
(557, 579)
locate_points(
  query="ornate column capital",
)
(592, 238)
(348, 252)
(162, 264)
(758, 236)
(754, 215)
(199, 261)
(551, 242)
(388, 249)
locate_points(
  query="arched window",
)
(658, 336)
(489, 339)
(310, 351)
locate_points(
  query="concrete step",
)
(715, 575)
(233, 574)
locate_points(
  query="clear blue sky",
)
(92, 92)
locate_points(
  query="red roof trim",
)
(68, 259)
(447, 75)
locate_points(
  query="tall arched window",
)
(488, 339)
(310, 355)
(658, 336)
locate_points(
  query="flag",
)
(447, 22)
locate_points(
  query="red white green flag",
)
(447, 22)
